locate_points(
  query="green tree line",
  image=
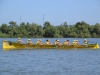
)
(33, 30)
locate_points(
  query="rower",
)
(55, 42)
(19, 40)
(76, 42)
(65, 42)
(29, 42)
(37, 42)
(85, 42)
(58, 43)
(68, 43)
(40, 42)
(47, 42)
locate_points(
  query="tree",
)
(78, 30)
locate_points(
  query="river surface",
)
(50, 61)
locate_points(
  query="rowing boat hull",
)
(7, 46)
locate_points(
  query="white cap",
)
(57, 40)
(18, 37)
(74, 40)
(84, 39)
(29, 39)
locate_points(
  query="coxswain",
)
(29, 42)
(85, 42)
(19, 40)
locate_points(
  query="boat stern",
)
(96, 46)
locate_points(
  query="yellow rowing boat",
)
(7, 45)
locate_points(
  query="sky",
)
(55, 11)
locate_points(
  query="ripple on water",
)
(50, 62)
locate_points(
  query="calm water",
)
(50, 62)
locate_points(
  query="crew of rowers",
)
(57, 42)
